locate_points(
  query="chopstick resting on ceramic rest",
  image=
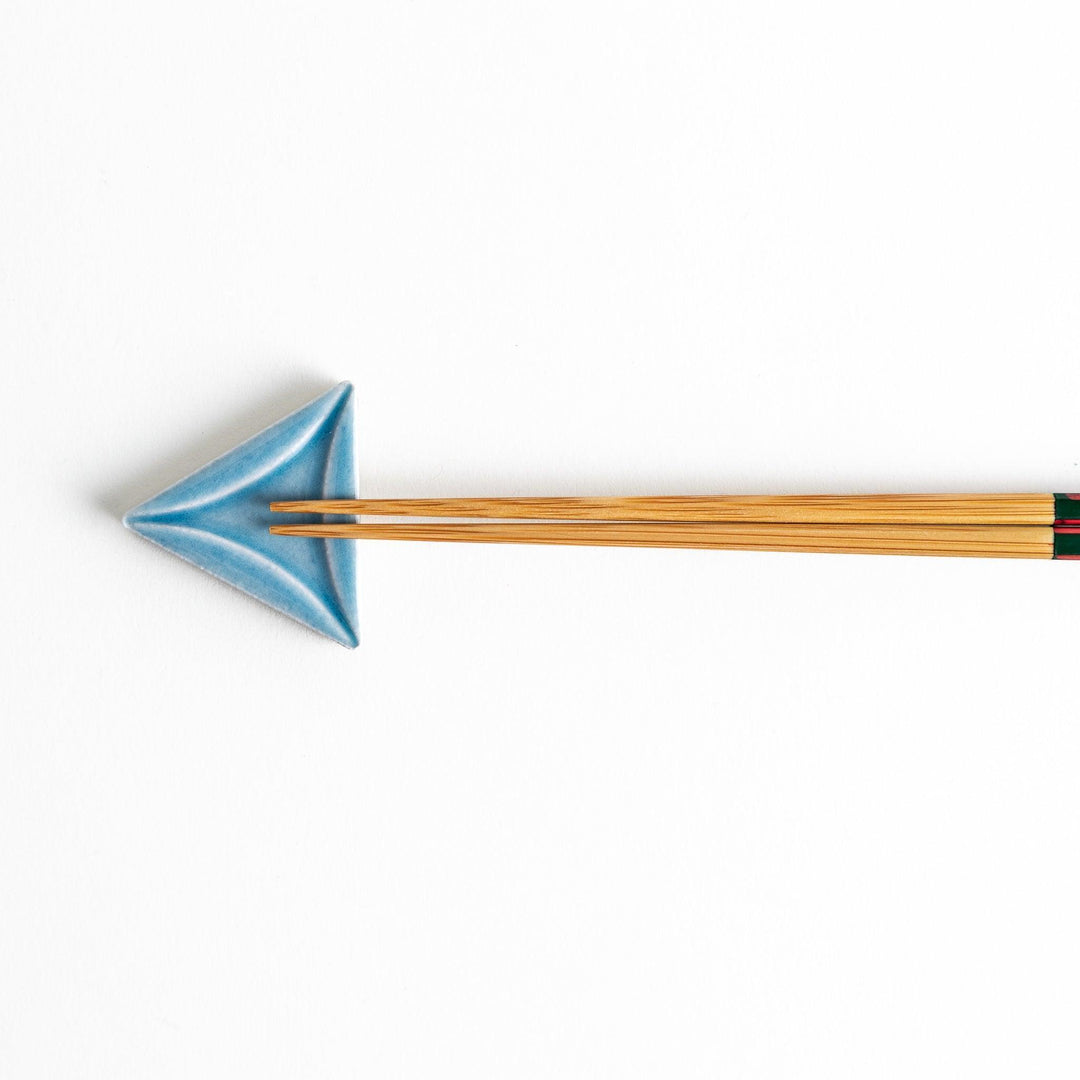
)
(1023, 526)
(216, 518)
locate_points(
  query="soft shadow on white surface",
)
(541, 481)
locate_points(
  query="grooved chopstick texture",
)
(985, 541)
(1023, 509)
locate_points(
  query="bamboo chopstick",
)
(980, 541)
(1023, 509)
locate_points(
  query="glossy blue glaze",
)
(218, 517)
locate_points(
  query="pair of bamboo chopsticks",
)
(982, 526)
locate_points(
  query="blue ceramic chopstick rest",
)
(218, 517)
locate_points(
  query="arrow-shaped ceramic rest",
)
(219, 517)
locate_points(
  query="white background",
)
(564, 813)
